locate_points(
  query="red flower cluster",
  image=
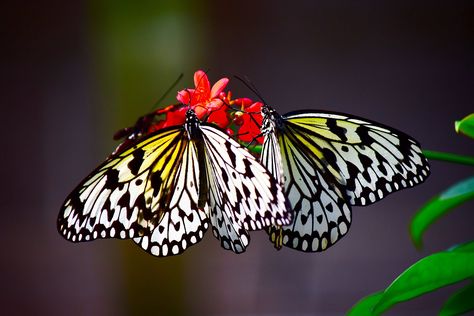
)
(237, 116)
(249, 120)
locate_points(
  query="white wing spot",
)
(324, 243)
(343, 228)
(155, 250)
(145, 242)
(304, 246)
(315, 244)
(225, 244)
(165, 250)
(175, 249)
(295, 242)
(334, 235)
(238, 248)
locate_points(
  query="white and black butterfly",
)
(328, 162)
(166, 188)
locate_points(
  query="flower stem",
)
(449, 157)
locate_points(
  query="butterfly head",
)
(192, 124)
(271, 120)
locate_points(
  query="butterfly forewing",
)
(182, 222)
(110, 203)
(372, 159)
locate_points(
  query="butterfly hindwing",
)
(243, 195)
(321, 214)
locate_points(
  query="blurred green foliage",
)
(465, 126)
(439, 269)
(439, 206)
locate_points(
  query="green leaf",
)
(366, 305)
(460, 302)
(256, 149)
(465, 126)
(439, 206)
(465, 247)
(449, 157)
(428, 274)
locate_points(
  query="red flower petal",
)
(200, 111)
(203, 88)
(177, 117)
(157, 126)
(250, 128)
(255, 107)
(184, 96)
(242, 102)
(215, 104)
(220, 118)
(218, 87)
(201, 80)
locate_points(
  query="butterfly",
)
(166, 188)
(328, 162)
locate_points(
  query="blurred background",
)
(75, 72)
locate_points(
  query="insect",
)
(328, 162)
(168, 187)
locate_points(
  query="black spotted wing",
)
(146, 192)
(242, 194)
(321, 213)
(328, 162)
(369, 159)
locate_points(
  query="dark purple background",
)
(65, 91)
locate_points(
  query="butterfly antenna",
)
(231, 106)
(251, 86)
(157, 103)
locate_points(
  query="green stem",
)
(449, 157)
